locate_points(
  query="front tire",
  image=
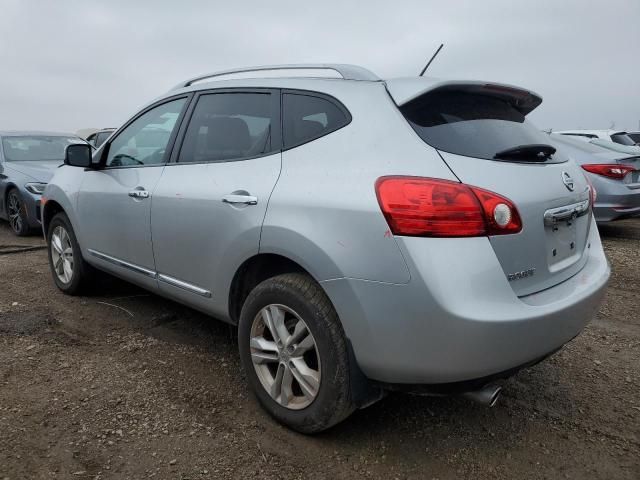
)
(16, 210)
(294, 353)
(70, 272)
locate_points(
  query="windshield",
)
(33, 148)
(101, 137)
(471, 124)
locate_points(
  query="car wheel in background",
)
(294, 353)
(17, 214)
(71, 273)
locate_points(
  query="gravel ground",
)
(125, 384)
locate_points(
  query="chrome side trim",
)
(123, 264)
(184, 285)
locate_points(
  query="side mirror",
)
(78, 155)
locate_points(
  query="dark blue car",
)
(27, 163)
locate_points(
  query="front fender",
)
(63, 189)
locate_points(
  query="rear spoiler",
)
(404, 90)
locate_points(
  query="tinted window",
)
(101, 137)
(145, 140)
(470, 124)
(229, 126)
(622, 139)
(635, 137)
(32, 148)
(308, 117)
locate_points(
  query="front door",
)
(114, 203)
(209, 205)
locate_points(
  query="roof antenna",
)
(434, 56)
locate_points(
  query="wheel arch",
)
(263, 266)
(255, 270)
(50, 209)
(5, 197)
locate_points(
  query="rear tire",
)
(70, 272)
(15, 208)
(307, 355)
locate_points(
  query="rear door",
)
(210, 203)
(469, 128)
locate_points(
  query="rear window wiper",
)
(535, 152)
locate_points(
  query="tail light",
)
(428, 207)
(610, 171)
(593, 193)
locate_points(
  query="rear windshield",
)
(32, 148)
(622, 139)
(471, 124)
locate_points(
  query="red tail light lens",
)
(428, 207)
(610, 171)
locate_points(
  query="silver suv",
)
(364, 235)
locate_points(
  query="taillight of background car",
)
(610, 171)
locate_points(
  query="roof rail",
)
(348, 72)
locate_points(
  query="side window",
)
(308, 117)
(145, 140)
(229, 126)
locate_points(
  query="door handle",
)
(139, 194)
(243, 199)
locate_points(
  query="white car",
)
(616, 136)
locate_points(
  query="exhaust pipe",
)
(487, 395)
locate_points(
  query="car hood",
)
(39, 170)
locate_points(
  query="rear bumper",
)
(609, 213)
(458, 319)
(615, 199)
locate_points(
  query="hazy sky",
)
(67, 64)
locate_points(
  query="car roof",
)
(402, 90)
(33, 133)
(593, 132)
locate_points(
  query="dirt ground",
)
(125, 384)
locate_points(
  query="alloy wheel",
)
(14, 205)
(62, 254)
(285, 356)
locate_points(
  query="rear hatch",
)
(476, 128)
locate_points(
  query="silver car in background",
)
(27, 162)
(363, 234)
(615, 176)
(616, 136)
(98, 138)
